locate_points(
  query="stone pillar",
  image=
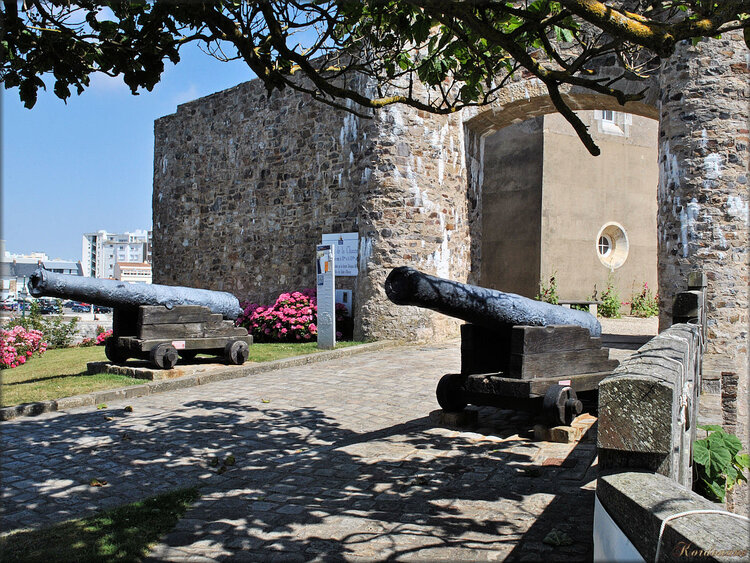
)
(703, 196)
(412, 212)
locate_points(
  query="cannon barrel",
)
(123, 295)
(479, 305)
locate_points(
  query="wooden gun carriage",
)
(515, 352)
(157, 323)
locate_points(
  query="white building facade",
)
(100, 251)
(133, 272)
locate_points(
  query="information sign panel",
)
(326, 296)
(347, 250)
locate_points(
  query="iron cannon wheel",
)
(164, 356)
(115, 354)
(236, 352)
(448, 393)
(561, 405)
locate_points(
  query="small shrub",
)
(718, 462)
(644, 304)
(101, 337)
(610, 301)
(292, 318)
(87, 342)
(57, 332)
(548, 292)
(17, 345)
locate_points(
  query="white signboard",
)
(347, 249)
(326, 296)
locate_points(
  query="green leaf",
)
(421, 29)
(27, 92)
(742, 461)
(563, 35)
(718, 490)
(701, 456)
(719, 462)
(732, 443)
(711, 428)
(61, 90)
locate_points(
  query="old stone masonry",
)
(244, 186)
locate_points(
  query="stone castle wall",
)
(245, 185)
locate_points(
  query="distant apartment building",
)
(101, 251)
(16, 269)
(133, 272)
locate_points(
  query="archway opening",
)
(546, 208)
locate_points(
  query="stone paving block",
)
(326, 455)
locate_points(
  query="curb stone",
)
(162, 385)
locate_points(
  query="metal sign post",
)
(326, 296)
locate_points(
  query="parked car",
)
(9, 306)
(81, 308)
(69, 304)
(102, 309)
(49, 307)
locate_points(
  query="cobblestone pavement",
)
(338, 460)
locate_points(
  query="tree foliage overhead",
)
(464, 51)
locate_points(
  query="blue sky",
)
(69, 169)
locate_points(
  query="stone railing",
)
(649, 405)
(647, 422)
(629, 522)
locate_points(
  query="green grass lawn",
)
(125, 533)
(58, 373)
(269, 352)
(62, 372)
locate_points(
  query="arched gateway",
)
(244, 186)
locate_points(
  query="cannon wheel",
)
(164, 356)
(188, 355)
(449, 393)
(115, 354)
(236, 352)
(561, 405)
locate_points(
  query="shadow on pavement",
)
(302, 486)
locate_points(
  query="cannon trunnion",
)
(515, 352)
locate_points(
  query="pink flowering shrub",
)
(292, 318)
(102, 337)
(17, 345)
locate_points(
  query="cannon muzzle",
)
(478, 305)
(129, 296)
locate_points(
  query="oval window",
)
(612, 245)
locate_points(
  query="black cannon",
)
(515, 352)
(156, 322)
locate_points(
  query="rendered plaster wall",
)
(511, 208)
(582, 193)
(545, 198)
